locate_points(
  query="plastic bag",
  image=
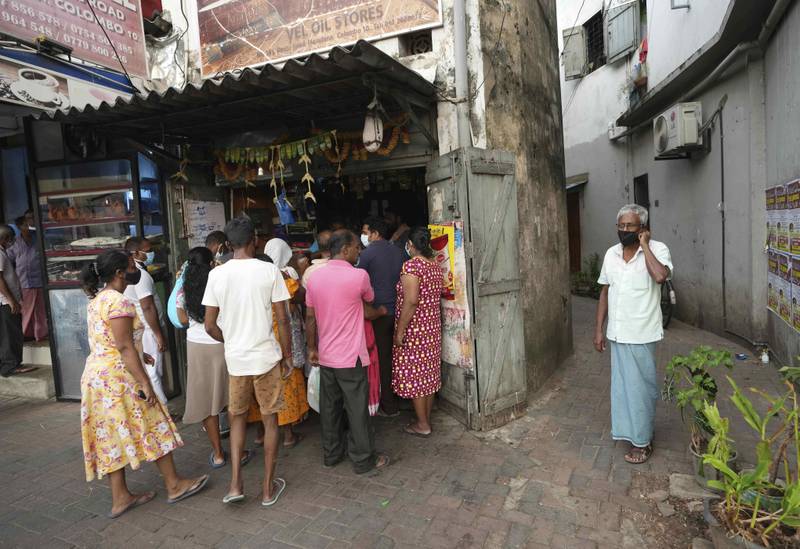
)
(172, 305)
(313, 389)
(285, 210)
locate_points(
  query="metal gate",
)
(475, 190)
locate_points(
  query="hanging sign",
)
(72, 23)
(202, 218)
(235, 34)
(41, 88)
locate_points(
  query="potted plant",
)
(759, 509)
(689, 383)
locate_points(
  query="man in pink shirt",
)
(335, 297)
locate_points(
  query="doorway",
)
(574, 230)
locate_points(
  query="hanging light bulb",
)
(260, 171)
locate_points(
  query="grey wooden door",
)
(478, 188)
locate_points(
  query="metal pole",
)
(462, 74)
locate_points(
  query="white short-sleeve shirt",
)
(634, 298)
(145, 288)
(244, 291)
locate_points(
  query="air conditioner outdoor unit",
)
(677, 130)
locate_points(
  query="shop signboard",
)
(74, 24)
(235, 34)
(46, 89)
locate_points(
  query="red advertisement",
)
(79, 24)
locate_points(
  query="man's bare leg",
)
(238, 433)
(271, 439)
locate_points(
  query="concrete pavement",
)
(553, 478)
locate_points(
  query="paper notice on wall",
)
(202, 218)
(457, 347)
(772, 292)
(793, 215)
(785, 287)
(796, 293)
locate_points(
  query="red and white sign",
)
(79, 24)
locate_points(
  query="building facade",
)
(730, 65)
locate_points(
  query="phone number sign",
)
(79, 24)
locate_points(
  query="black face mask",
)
(628, 238)
(133, 278)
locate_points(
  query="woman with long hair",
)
(207, 373)
(417, 357)
(122, 421)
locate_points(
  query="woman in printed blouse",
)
(122, 421)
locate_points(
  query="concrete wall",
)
(523, 115)
(782, 79)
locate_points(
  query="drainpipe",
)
(462, 73)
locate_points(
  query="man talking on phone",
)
(630, 299)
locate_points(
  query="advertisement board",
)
(74, 24)
(235, 34)
(45, 89)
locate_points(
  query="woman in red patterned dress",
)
(417, 357)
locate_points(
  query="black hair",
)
(5, 231)
(264, 257)
(378, 225)
(420, 237)
(240, 232)
(324, 240)
(19, 221)
(195, 278)
(340, 239)
(216, 237)
(134, 244)
(102, 270)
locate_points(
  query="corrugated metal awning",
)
(315, 88)
(574, 182)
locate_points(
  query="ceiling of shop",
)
(315, 88)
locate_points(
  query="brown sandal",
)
(638, 455)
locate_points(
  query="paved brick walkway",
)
(551, 479)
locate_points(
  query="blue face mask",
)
(149, 257)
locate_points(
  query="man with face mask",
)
(28, 262)
(632, 273)
(216, 242)
(10, 310)
(148, 308)
(383, 261)
(336, 340)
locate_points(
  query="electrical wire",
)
(178, 44)
(566, 42)
(102, 28)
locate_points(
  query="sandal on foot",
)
(410, 431)
(638, 455)
(298, 438)
(236, 498)
(199, 485)
(278, 486)
(247, 455)
(214, 464)
(141, 500)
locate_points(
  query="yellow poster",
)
(444, 253)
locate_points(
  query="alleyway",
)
(551, 479)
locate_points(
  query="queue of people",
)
(365, 312)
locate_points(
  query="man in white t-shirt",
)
(238, 299)
(148, 308)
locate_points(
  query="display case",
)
(84, 209)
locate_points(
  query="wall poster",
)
(235, 34)
(457, 348)
(783, 254)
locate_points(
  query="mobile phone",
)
(142, 395)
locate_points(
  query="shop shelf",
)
(85, 222)
(76, 255)
(63, 283)
(92, 191)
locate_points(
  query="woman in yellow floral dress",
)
(122, 421)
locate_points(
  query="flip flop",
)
(247, 456)
(281, 487)
(233, 499)
(214, 464)
(409, 431)
(199, 485)
(141, 500)
(298, 438)
(20, 370)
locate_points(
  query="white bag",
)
(313, 389)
